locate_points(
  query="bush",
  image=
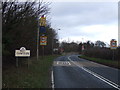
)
(103, 53)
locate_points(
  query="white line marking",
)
(52, 80)
(69, 63)
(98, 76)
(57, 62)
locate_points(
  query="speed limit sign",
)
(113, 44)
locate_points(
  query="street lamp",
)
(53, 41)
(58, 36)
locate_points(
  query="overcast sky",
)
(82, 21)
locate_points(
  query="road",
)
(73, 72)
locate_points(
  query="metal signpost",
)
(22, 53)
(113, 46)
(43, 38)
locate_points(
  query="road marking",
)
(97, 75)
(57, 62)
(52, 80)
(63, 63)
(69, 63)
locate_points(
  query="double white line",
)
(97, 76)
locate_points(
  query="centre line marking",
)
(97, 76)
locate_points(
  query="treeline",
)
(20, 26)
(103, 53)
(69, 47)
(90, 49)
(99, 50)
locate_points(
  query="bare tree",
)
(20, 23)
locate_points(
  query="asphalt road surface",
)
(73, 72)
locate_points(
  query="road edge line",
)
(97, 76)
(52, 80)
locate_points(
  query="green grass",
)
(110, 63)
(37, 76)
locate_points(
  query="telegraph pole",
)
(43, 38)
(38, 43)
(38, 34)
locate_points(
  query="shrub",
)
(103, 53)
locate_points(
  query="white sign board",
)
(22, 52)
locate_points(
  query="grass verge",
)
(37, 76)
(110, 63)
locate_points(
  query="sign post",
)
(43, 50)
(43, 42)
(22, 53)
(113, 46)
(43, 38)
(17, 62)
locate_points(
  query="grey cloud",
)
(70, 17)
(66, 32)
(75, 14)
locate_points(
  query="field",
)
(38, 75)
